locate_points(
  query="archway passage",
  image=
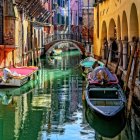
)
(112, 29)
(78, 45)
(124, 26)
(134, 28)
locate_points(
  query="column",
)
(132, 44)
(125, 58)
(103, 51)
(119, 51)
(109, 51)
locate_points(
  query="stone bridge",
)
(78, 42)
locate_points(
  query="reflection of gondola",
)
(106, 128)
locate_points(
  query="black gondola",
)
(105, 98)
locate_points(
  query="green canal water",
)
(49, 107)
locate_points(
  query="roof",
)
(36, 9)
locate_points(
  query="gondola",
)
(105, 97)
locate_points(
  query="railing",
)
(74, 37)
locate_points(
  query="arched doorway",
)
(124, 26)
(126, 48)
(112, 33)
(134, 29)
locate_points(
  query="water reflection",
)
(50, 107)
(106, 127)
(66, 115)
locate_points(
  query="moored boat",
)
(89, 61)
(104, 95)
(102, 76)
(18, 76)
(107, 102)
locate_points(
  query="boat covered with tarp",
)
(17, 76)
(103, 76)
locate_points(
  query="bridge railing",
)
(71, 36)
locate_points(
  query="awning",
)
(36, 9)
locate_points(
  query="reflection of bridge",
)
(71, 38)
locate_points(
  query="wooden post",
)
(13, 58)
(121, 49)
(135, 70)
(129, 68)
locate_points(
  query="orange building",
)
(22, 31)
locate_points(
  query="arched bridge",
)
(63, 38)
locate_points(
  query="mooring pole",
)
(135, 71)
(129, 68)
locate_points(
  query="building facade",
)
(87, 23)
(117, 36)
(118, 20)
(23, 25)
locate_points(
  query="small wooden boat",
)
(105, 96)
(107, 101)
(89, 61)
(16, 77)
(57, 51)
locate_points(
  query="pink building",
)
(76, 11)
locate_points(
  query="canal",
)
(50, 107)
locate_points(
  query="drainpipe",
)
(88, 22)
(69, 15)
(22, 18)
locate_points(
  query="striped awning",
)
(36, 9)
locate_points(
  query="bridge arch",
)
(77, 45)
